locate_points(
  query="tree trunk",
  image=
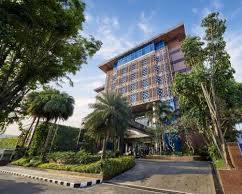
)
(53, 139)
(27, 134)
(103, 148)
(216, 121)
(121, 144)
(163, 141)
(44, 152)
(34, 130)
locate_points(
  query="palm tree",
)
(33, 106)
(109, 118)
(159, 115)
(59, 106)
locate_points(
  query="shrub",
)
(115, 166)
(88, 168)
(21, 162)
(81, 157)
(63, 157)
(35, 161)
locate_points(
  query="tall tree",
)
(204, 92)
(40, 41)
(109, 118)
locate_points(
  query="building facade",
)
(144, 74)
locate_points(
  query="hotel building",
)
(144, 74)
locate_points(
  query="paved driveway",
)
(192, 177)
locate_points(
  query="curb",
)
(54, 181)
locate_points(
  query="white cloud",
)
(217, 4)
(144, 23)
(88, 17)
(113, 43)
(80, 111)
(194, 10)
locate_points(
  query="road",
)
(10, 184)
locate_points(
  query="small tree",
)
(109, 118)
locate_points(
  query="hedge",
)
(115, 166)
(110, 167)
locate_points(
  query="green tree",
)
(59, 106)
(204, 93)
(40, 41)
(109, 118)
(159, 115)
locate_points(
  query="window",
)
(158, 80)
(145, 83)
(133, 98)
(132, 87)
(123, 79)
(157, 69)
(123, 71)
(159, 92)
(145, 96)
(133, 67)
(145, 71)
(133, 76)
(122, 90)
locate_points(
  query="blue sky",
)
(120, 24)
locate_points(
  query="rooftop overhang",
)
(133, 133)
(99, 89)
(177, 32)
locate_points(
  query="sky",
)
(121, 24)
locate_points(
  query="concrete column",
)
(126, 148)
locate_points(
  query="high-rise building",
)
(144, 74)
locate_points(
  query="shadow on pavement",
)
(13, 187)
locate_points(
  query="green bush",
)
(80, 157)
(8, 142)
(21, 162)
(88, 168)
(35, 161)
(114, 166)
(63, 157)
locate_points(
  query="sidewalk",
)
(69, 179)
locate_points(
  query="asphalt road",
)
(10, 184)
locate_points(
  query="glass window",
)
(145, 71)
(145, 96)
(122, 90)
(133, 66)
(133, 76)
(158, 80)
(157, 69)
(145, 83)
(159, 92)
(132, 87)
(123, 71)
(133, 98)
(123, 79)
